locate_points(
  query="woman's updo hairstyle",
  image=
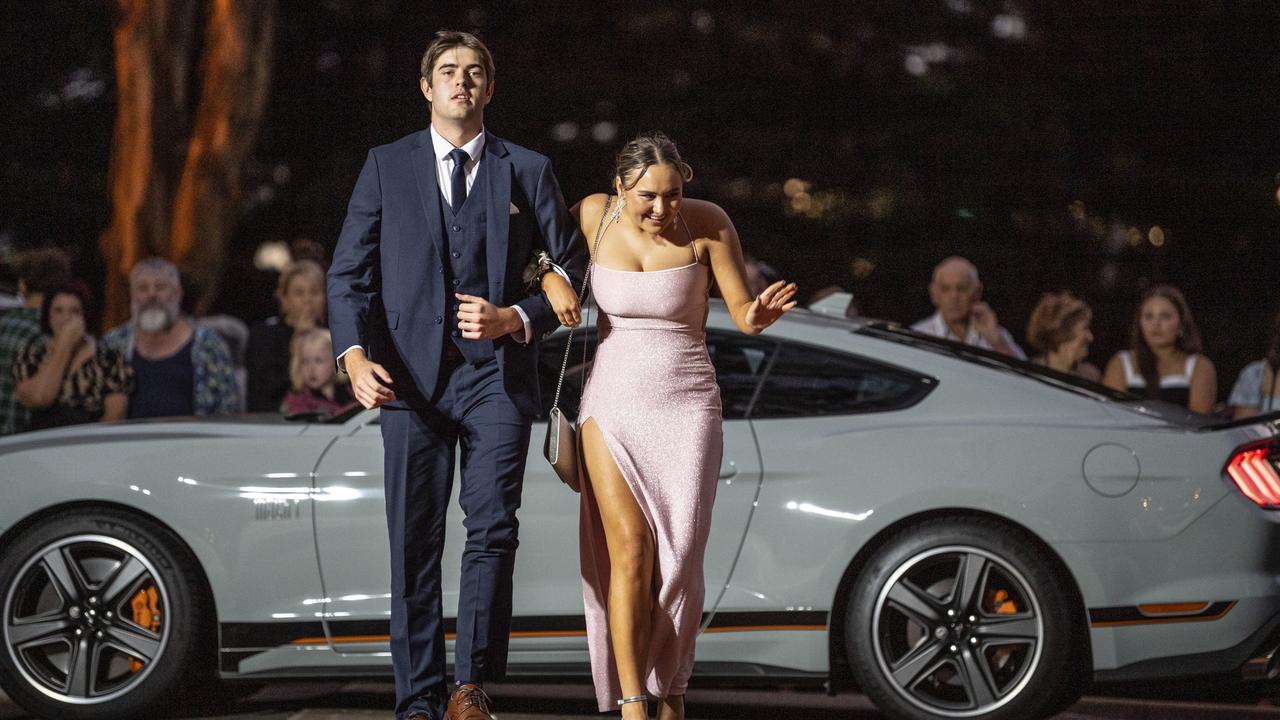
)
(648, 149)
(1053, 322)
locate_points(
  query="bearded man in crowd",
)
(179, 367)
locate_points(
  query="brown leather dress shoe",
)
(468, 703)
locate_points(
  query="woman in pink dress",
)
(650, 422)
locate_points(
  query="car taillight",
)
(1251, 470)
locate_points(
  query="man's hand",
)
(984, 322)
(369, 380)
(479, 319)
(983, 319)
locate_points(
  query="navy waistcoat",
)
(467, 269)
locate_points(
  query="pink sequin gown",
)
(653, 394)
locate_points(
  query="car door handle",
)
(728, 470)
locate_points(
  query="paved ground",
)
(368, 700)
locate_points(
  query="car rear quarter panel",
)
(1004, 445)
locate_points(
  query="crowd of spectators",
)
(1164, 360)
(163, 363)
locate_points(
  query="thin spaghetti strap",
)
(692, 243)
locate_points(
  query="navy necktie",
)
(458, 181)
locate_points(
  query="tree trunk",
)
(236, 70)
(174, 189)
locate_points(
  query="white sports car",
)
(959, 534)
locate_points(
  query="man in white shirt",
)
(962, 316)
(428, 307)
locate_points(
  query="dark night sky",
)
(1041, 139)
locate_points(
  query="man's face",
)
(954, 292)
(154, 299)
(458, 88)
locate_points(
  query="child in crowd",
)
(300, 292)
(314, 376)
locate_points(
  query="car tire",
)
(104, 616)
(964, 618)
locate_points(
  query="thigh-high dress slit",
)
(652, 393)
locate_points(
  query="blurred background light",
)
(272, 255)
(703, 21)
(604, 132)
(915, 64)
(1009, 27)
(1156, 236)
(565, 131)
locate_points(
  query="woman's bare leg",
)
(631, 558)
(671, 708)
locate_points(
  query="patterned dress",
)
(84, 388)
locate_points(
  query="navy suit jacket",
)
(387, 285)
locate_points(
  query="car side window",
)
(740, 362)
(550, 357)
(809, 381)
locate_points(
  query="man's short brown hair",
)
(449, 39)
(42, 270)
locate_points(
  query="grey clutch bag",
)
(561, 448)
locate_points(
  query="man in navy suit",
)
(428, 310)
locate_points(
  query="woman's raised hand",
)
(771, 304)
(564, 301)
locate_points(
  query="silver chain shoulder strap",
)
(582, 298)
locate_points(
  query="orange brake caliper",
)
(1001, 604)
(146, 613)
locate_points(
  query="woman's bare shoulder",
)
(593, 204)
(590, 208)
(705, 218)
(1203, 366)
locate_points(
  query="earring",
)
(617, 209)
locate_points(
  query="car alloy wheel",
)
(105, 615)
(958, 631)
(965, 617)
(86, 619)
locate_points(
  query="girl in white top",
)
(1163, 362)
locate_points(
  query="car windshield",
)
(997, 361)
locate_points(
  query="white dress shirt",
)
(444, 163)
(934, 325)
